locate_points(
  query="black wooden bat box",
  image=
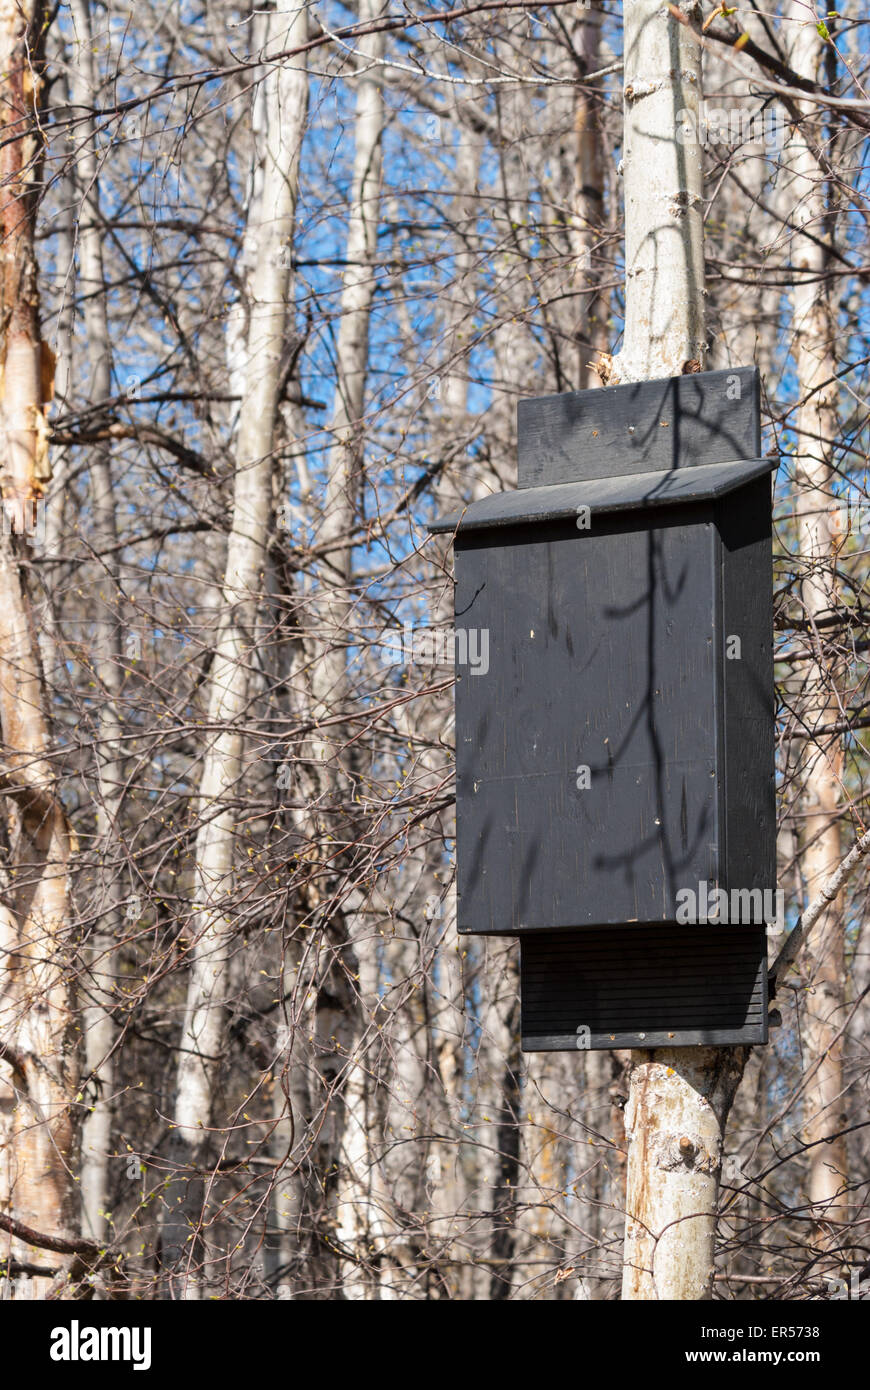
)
(614, 736)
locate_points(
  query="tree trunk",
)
(37, 1034)
(98, 1022)
(678, 1104)
(356, 1209)
(816, 428)
(678, 1098)
(201, 1041)
(589, 201)
(664, 184)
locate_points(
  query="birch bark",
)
(357, 1207)
(200, 1044)
(816, 428)
(98, 1023)
(37, 1035)
(678, 1098)
(663, 174)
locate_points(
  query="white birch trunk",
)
(815, 336)
(678, 1098)
(98, 1022)
(228, 687)
(355, 1207)
(663, 171)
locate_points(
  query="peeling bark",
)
(36, 1018)
(675, 1126)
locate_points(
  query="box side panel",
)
(587, 766)
(749, 860)
(705, 417)
(647, 987)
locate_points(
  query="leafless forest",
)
(273, 281)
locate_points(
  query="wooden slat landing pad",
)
(663, 986)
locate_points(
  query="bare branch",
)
(823, 899)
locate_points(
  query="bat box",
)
(614, 734)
